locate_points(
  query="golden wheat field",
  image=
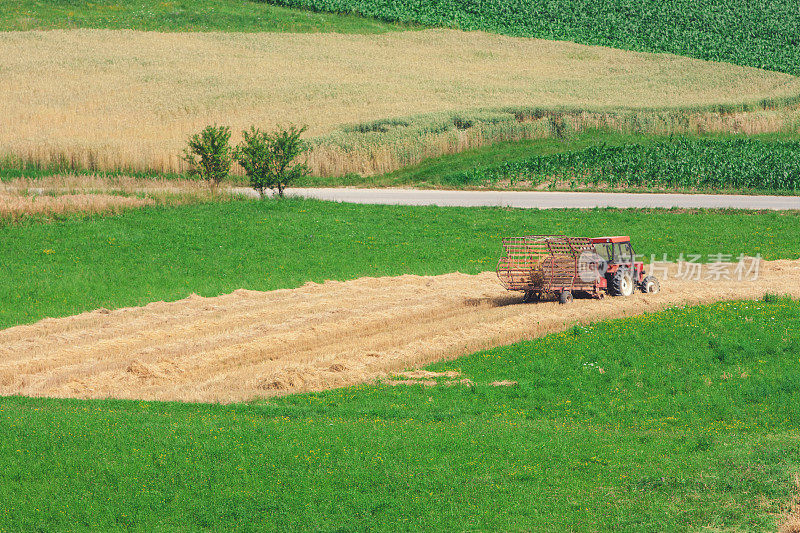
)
(249, 344)
(112, 99)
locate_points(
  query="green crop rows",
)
(676, 163)
(757, 33)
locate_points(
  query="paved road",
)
(542, 200)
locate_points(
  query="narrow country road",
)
(541, 199)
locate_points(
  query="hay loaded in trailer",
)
(561, 266)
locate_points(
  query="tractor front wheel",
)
(622, 283)
(565, 297)
(650, 285)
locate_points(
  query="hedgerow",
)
(674, 163)
(757, 33)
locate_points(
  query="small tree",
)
(269, 159)
(210, 155)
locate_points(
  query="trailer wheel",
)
(565, 297)
(622, 283)
(650, 285)
(530, 296)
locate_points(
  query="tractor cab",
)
(614, 250)
(622, 272)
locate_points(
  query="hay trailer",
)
(561, 266)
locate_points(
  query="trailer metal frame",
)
(542, 265)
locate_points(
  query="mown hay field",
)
(111, 99)
(251, 344)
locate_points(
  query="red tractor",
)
(542, 265)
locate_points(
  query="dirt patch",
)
(425, 382)
(249, 344)
(504, 383)
(425, 374)
(429, 379)
(792, 522)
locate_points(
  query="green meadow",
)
(179, 15)
(684, 420)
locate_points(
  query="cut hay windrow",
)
(250, 344)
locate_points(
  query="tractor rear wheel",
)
(565, 297)
(622, 283)
(650, 285)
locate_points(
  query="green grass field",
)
(682, 420)
(150, 254)
(180, 15)
(691, 426)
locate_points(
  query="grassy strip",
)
(630, 425)
(587, 160)
(157, 253)
(389, 145)
(12, 168)
(180, 15)
(757, 34)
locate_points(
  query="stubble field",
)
(60, 196)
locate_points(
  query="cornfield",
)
(756, 33)
(674, 163)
